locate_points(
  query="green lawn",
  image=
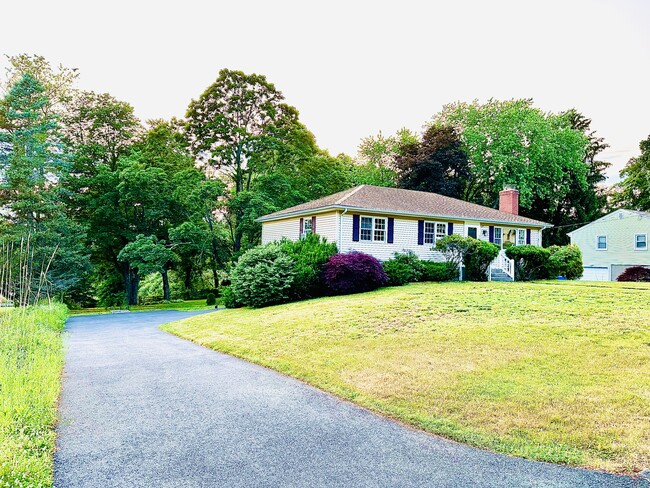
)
(31, 359)
(551, 371)
(184, 305)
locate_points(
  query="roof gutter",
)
(395, 212)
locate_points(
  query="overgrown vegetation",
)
(31, 359)
(502, 366)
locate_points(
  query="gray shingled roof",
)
(404, 202)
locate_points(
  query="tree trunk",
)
(165, 281)
(187, 282)
(131, 285)
(215, 277)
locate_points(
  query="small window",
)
(429, 232)
(521, 237)
(380, 230)
(641, 242)
(498, 234)
(441, 230)
(366, 229)
(601, 242)
(306, 227)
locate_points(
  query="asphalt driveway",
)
(142, 408)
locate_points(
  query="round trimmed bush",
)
(211, 299)
(353, 272)
(565, 261)
(530, 261)
(263, 276)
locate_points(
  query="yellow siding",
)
(405, 235)
(326, 226)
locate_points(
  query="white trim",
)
(452, 218)
(373, 219)
(435, 231)
(646, 242)
(597, 241)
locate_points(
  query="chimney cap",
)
(510, 187)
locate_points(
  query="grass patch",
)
(31, 359)
(186, 305)
(551, 371)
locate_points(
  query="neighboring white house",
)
(613, 243)
(382, 221)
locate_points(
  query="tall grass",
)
(31, 359)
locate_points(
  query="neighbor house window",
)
(641, 242)
(498, 236)
(601, 242)
(521, 237)
(434, 231)
(372, 229)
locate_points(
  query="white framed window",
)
(498, 236)
(379, 232)
(372, 229)
(641, 242)
(306, 227)
(434, 231)
(429, 232)
(521, 237)
(366, 229)
(601, 243)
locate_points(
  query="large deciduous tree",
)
(436, 164)
(634, 190)
(577, 201)
(513, 143)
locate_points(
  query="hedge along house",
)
(382, 221)
(613, 243)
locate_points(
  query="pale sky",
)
(354, 68)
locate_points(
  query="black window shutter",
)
(491, 233)
(527, 236)
(313, 225)
(355, 228)
(391, 228)
(450, 228)
(420, 232)
(302, 226)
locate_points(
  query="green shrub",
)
(447, 271)
(309, 255)
(478, 258)
(476, 255)
(263, 276)
(211, 299)
(229, 298)
(530, 262)
(565, 261)
(399, 273)
(404, 268)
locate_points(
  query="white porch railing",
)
(504, 263)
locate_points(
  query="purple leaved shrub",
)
(353, 272)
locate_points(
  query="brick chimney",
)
(509, 200)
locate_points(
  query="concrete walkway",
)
(142, 408)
